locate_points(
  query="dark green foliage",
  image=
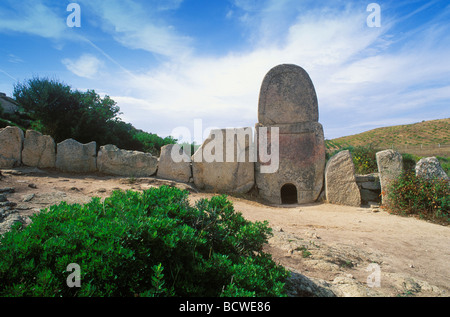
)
(19, 119)
(62, 113)
(50, 102)
(152, 143)
(413, 195)
(150, 243)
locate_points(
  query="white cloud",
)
(86, 66)
(224, 91)
(364, 77)
(138, 27)
(362, 82)
(32, 17)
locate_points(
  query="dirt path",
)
(328, 248)
(413, 255)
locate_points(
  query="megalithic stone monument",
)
(288, 101)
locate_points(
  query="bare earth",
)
(327, 247)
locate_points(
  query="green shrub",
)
(151, 243)
(364, 158)
(413, 195)
(152, 143)
(445, 164)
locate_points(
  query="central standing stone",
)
(288, 101)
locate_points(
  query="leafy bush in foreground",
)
(430, 199)
(150, 243)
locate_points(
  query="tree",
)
(94, 117)
(62, 113)
(51, 103)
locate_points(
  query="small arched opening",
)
(289, 194)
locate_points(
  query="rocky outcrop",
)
(216, 169)
(430, 168)
(390, 167)
(340, 181)
(174, 164)
(38, 150)
(11, 143)
(72, 156)
(114, 161)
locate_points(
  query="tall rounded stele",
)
(288, 101)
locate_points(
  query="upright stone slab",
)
(224, 164)
(390, 167)
(174, 164)
(38, 150)
(114, 161)
(288, 104)
(11, 143)
(72, 156)
(340, 181)
(429, 168)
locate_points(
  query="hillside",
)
(423, 138)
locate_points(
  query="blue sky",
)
(169, 62)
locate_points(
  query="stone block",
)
(11, 144)
(390, 167)
(174, 164)
(224, 163)
(38, 150)
(340, 181)
(114, 161)
(430, 168)
(72, 156)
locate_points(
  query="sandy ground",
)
(327, 247)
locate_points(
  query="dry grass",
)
(427, 138)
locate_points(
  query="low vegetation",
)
(151, 243)
(427, 198)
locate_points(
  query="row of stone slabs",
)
(288, 121)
